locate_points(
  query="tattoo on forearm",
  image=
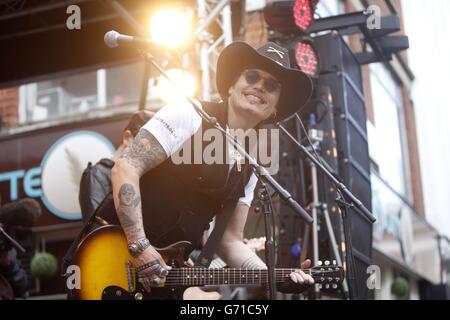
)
(145, 152)
(133, 232)
(127, 221)
(127, 196)
(129, 210)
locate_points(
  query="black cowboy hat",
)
(296, 86)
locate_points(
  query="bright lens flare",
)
(171, 27)
(183, 79)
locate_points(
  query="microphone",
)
(114, 39)
(23, 213)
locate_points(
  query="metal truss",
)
(209, 11)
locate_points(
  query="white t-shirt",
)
(174, 124)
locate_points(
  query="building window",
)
(80, 93)
(386, 135)
(66, 96)
(123, 84)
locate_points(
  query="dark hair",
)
(137, 120)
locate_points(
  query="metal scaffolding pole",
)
(209, 11)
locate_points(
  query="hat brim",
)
(296, 86)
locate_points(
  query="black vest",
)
(179, 201)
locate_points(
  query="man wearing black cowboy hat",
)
(159, 202)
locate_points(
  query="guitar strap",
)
(70, 254)
(209, 249)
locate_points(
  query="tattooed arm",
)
(142, 155)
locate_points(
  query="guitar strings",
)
(183, 275)
(210, 272)
(180, 277)
(230, 270)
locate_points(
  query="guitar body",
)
(106, 271)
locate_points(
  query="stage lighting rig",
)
(307, 58)
(290, 16)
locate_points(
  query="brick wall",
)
(9, 107)
(413, 151)
(256, 32)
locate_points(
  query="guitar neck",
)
(229, 276)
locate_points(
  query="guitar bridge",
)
(130, 277)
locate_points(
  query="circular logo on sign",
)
(62, 167)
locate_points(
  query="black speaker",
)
(341, 72)
(291, 176)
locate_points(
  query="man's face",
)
(255, 93)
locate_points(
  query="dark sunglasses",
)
(253, 76)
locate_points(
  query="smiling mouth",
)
(254, 99)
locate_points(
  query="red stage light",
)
(306, 58)
(303, 15)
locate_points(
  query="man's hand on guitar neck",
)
(150, 268)
(299, 281)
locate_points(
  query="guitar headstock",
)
(328, 274)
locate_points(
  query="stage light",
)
(183, 79)
(171, 27)
(303, 14)
(290, 16)
(307, 59)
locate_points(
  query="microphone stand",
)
(11, 240)
(345, 194)
(266, 207)
(339, 185)
(261, 173)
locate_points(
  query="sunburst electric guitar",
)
(107, 273)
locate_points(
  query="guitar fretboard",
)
(230, 276)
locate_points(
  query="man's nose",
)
(259, 85)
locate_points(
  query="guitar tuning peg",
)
(334, 286)
(337, 279)
(319, 263)
(334, 263)
(322, 279)
(327, 286)
(320, 286)
(327, 262)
